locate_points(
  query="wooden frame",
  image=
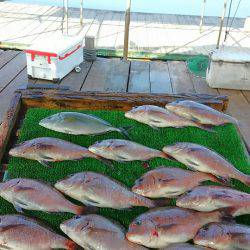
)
(64, 99)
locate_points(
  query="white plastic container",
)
(229, 69)
(53, 58)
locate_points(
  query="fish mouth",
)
(132, 237)
(64, 227)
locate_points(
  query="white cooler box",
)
(53, 58)
(229, 69)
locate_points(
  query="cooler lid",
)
(231, 55)
(58, 44)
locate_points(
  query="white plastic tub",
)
(229, 69)
(53, 58)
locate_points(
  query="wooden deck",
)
(22, 25)
(115, 75)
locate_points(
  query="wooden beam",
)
(8, 123)
(126, 33)
(56, 99)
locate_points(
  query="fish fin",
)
(194, 119)
(106, 162)
(45, 164)
(71, 245)
(18, 208)
(4, 228)
(86, 210)
(208, 128)
(224, 181)
(22, 188)
(125, 131)
(161, 202)
(226, 214)
(239, 237)
(154, 127)
(192, 163)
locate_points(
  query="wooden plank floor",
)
(22, 24)
(116, 75)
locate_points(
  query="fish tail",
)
(245, 180)
(160, 202)
(85, 210)
(223, 181)
(227, 214)
(125, 131)
(166, 156)
(106, 162)
(71, 245)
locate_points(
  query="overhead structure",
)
(126, 33)
(202, 14)
(65, 17)
(221, 23)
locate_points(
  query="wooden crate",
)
(64, 99)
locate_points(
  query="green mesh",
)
(197, 65)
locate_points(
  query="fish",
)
(169, 182)
(124, 151)
(209, 198)
(23, 233)
(224, 236)
(75, 123)
(200, 113)
(158, 117)
(161, 227)
(203, 159)
(94, 189)
(94, 232)
(35, 195)
(48, 149)
(184, 246)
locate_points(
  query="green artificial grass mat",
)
(225, 141)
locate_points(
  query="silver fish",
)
(97, 233)
(161, 227)
(80, 124)
(169, 182)
(35, 195)
(201, 113)
(158, 117)
(47, 149)
(123, 150)
(224, 236)
(98, 190)
(209, 198)
(23, 233)
(205, 160)
(184, 246)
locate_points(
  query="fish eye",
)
(138, 223)
(77, 217)
(140, 180)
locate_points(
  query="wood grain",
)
(107, 76)
(121, 101)
(8, 123)
(139, 80)
(160, 78)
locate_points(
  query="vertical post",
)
(202, 15)
(67, 16)
(63, 15)
(126, 33)
(221, 23)
(81, 13)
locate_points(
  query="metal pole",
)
(221, 23)
(81, 13)
(67, 16)
(126, 34)
(63, 13)
(202, 15)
